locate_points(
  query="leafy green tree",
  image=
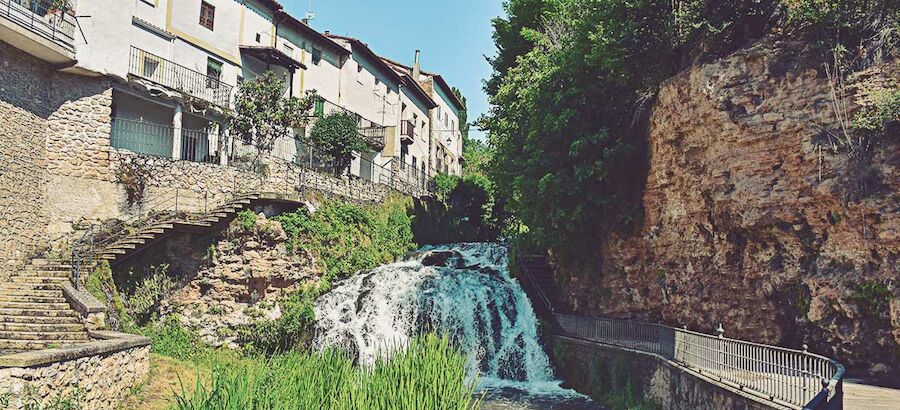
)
(336, 137)
(262, 115)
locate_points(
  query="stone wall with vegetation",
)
(621, 379)
(754, 215)
(95, 382)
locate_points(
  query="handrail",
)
(534, 284)
(177, 77)
(82, 254)
(788, 377)
(39, 17)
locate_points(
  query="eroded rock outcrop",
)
(746, 217)
(249, 268)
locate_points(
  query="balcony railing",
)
(179, 78)
(157, 140)
(407, 131)
(37, 16)
(372, 132)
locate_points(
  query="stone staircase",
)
(33, 312)
(125, 247)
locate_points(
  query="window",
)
(213, 73)
(316, 56)
(320, 107)
(258, 38)
(207, 15)
(150, 66)
(404, 150)
(414, 163)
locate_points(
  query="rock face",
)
(248, 270)
(746, 219)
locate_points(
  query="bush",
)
(348, 238)
(246, 219)
(293, 330)
(873, 298)
(335, 135)
(429, 374)
(170, 338)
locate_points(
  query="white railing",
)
(40, 17)
(791, 378)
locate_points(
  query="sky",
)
(454, 36)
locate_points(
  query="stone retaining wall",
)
(95, 376)
(602, 372)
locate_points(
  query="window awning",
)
(273, 55)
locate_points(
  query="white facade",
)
(178, 61)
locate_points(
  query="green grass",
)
(430, 374)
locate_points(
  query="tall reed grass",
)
(429, 374)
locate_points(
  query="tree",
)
(262, 115)
(336, 137)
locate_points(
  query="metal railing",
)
(793, 378)
(38, 17)
(179, 78)
(407, 129)
(157, 140)
(82, 255)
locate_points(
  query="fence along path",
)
(784, 377)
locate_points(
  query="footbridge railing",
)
(785, 377)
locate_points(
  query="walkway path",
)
(860, 396)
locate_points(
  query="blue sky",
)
(453, 35)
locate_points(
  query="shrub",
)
(246, 219)
(873, 298)
(336, 137)
(347, 238)
(293, 330)
(444, 184)
(171, 338)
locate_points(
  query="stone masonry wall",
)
(23, 162)
(98, 382)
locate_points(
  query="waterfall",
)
(462, 290)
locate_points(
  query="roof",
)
(454, 99)
(318, 37)
(364, 49)
(273, 55)
(388, 66)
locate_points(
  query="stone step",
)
(41, 327)
(15, 344)
(7, 311)
(34, 306)
(55, 320)
(31, 280)
(42, 274)
(12, 286)
(77, 335)
(31, 299)
(31, 292)
(48, 261)
(123, 245)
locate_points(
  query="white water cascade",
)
(462, 290)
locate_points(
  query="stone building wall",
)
(94, 382)
(23, 163)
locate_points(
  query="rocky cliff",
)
(752, 219)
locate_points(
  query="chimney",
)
(416, 67)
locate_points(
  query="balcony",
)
(407, 132)
(35, 27)
(374, 136)
(176, 77)
(157, 140)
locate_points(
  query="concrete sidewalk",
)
(861, 396)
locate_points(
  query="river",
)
(466, 292)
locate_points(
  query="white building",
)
(178, 62)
